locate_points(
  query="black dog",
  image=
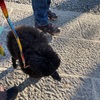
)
(39, 55)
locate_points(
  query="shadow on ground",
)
(78, 5)
(87, 89)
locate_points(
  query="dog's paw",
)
(14, 65)
(56, 76)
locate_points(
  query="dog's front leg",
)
(56, 76)
(14, 62)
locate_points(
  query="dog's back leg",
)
(14, 62)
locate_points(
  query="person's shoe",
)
(12, 93)
(51, 29)
(51, 15)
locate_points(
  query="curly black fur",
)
(39, 55)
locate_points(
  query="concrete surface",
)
(78, 46)
(92, 6)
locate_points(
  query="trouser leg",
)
(40, 8)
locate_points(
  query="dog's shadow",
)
(5, 77)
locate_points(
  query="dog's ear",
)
(56, 76)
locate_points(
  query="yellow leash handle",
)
(5, 12)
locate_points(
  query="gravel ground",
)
(92, 6)
(78, 46)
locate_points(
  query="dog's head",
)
(43, 61)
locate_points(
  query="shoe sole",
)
(52, 19)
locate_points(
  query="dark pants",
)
(40, 8)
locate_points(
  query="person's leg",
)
(48, 4)
(40, 8)
(51, 15)
(40, 12)
(12, 93)
(3, 93)
(9, 94)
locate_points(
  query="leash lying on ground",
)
(5, 12)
